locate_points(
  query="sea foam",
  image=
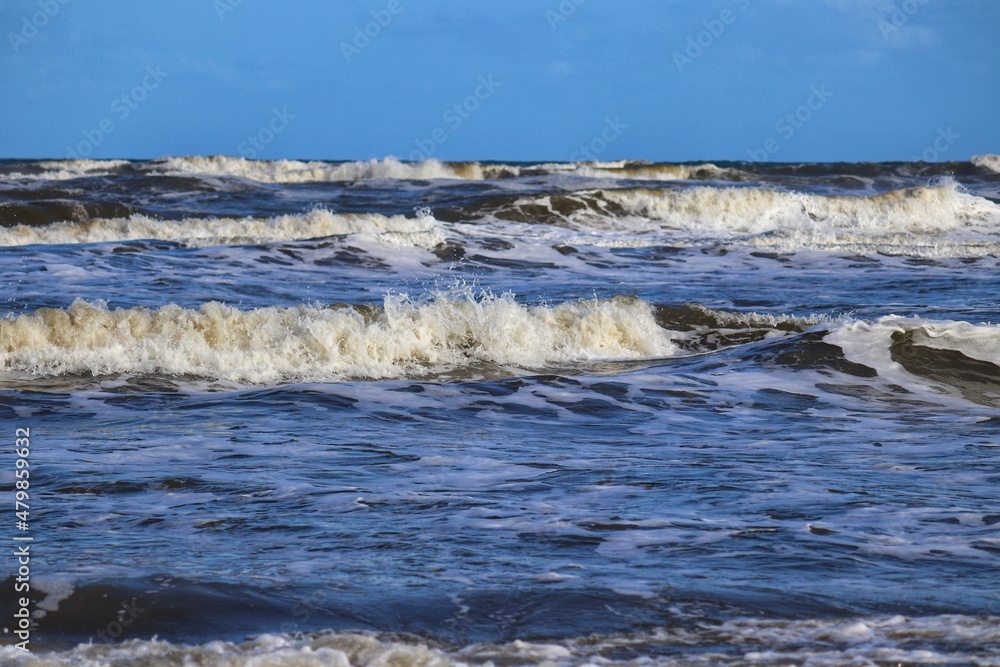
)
(395, 230)
(64, 170)
(296, 171)
(989, 161)
(945, 639)
(310, 342)
(725, 211)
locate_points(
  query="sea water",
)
(317, 413)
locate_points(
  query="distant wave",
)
(63, 170)
(937, 221)
(940, 220)
(394, 230)
(391, 168)
(724, 211)
(635, 170)
(991, 162)
(399, 338)
(662, 172)
(294, 171)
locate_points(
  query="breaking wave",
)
(661, 172)
(64, 170)
(974, 341)
(394, 230)
(725, 211)
(882, 640)
(295, 171)
(634, 170)
(306, 342)
(989, 161)
(948, 356)
(391, 168)
(939, 220)
(930, 221)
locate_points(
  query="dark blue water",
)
(520, 413)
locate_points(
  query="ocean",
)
(391, 413)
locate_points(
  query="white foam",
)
(980, 342)
(62, 170)
(869, 343)
(655, 172)
(721, 212)
(274, 344)
(932, 221)
(325, 650)
(988, 161)
(929, 246)
(56, 590)
(946, 639)
(750, 319)
(394, 231)
(295, 171)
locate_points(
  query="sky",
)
(524, 80)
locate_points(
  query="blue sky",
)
(785, 80)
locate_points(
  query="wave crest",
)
(953, 356)
(394, 230)
(755, 211)
(660, 171)
(937, 220)
(266, 345)
(64, 170)
(945, 639)
(989, 161)
(295, 171)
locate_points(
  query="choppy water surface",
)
(381, 412)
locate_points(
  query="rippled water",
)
(618, 413)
